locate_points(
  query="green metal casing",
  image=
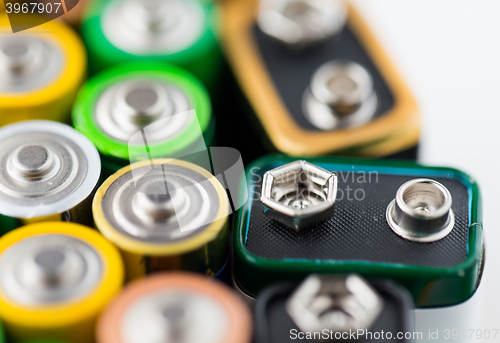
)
(203, 58)
(116, 154)
(430, 286)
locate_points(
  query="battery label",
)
(26, 14)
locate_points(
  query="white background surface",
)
(448, 52)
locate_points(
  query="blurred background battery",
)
(165, 214)
(316, 80)
(332, 308)
(182, 32)
(420, 226)
(55, 278)
(48, 172)
(175, 307)
(147, 101)
(41, 70)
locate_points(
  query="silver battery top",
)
(421, 211)
(28, 62)
(127, 107)
(301, 23)
(174, 315)
(167, 203)
(49, 269)
(341, 95)
(46, 168)
(145, 27)
(299, 194)
(338, 303)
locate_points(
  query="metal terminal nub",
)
(32, 161)
(158, 201)
(174, 315)
(299, 194)
(19, 55)
(49, 269)
(340, 303)
(145, 27)
(138, 104)
(421, 211)
(341, 95)
(301, 23)
(151, 16)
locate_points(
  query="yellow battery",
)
(55, 279)
(41, 70)
(165, 214)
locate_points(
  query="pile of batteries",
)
(125, 227)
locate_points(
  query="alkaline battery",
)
(327, 307)
(55, 278)
(182, 32)
(126, 108)
(40, 72)
(420, 226)
(316, 80)
(175, 307)
(165, 214)
(48, 172)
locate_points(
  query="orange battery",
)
(180, 307)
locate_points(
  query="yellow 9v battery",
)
(41, 70)
(316, 79)
(165, 214)
(55, 278)
(175, 307)
(48, 172)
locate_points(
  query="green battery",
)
(181, 32)
(141, 111)
(420, 226)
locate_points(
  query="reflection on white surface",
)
(448, 53)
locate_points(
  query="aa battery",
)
(180, 307)
(165, 214)
(140, 111)
(48, 172)
(55, 278)
(41, 70)
(182, 32)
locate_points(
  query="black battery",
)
(274, 325)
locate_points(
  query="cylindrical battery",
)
(41, 70)
(48, 172)
(353, 309)
(165, 214)
(55, 278)
(182, 32)
(132, 107)
(179, 307)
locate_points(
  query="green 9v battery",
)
(420, 226)
(142, 111)
(182, 32)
